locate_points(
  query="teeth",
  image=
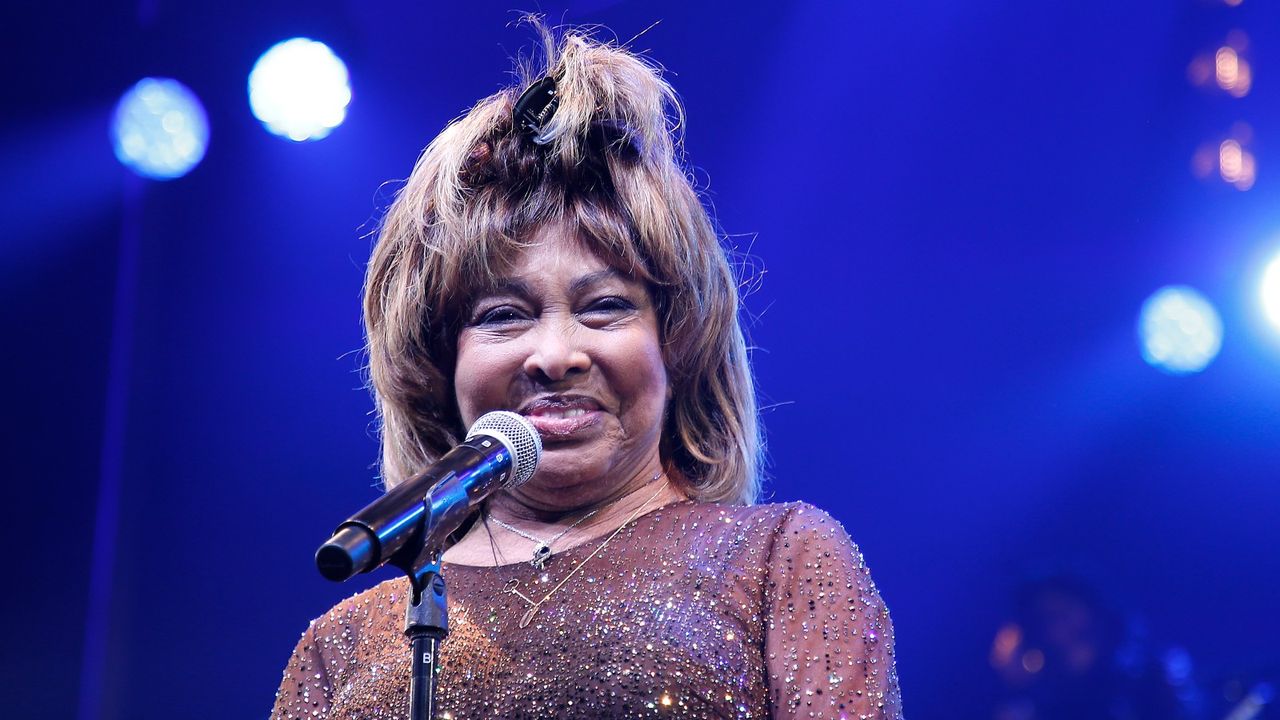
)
(558, 414)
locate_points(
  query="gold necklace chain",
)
(513, 584)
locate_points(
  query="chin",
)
(564, 467)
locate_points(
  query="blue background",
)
(954, 210)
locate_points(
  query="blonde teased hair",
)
(612, 175)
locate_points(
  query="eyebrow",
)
(516, 286)
(590, 279)
(506, 286)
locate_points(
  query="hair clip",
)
(534, 109)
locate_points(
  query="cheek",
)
(476, 379)
(642, 374)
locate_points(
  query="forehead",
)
(554, 249)
(554, 259)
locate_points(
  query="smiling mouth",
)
(557, 414)
(562, 417)
(559, 406)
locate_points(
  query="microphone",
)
(501, 450)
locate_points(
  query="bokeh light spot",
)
(1033, 661)
(1232, 71)
(159, 129)
(1236, 165)
(1179, 330)
(300, 89)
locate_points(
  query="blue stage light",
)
(160, 130)
(1180, 331)
(299, 89)
(1270, 291)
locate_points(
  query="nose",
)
(555, 353)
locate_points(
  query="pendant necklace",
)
(513, 585)
(542, 548)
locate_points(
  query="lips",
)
(562, 417)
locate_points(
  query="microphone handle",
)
(454, 496)
(460, 479)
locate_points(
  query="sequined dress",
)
(694, 610)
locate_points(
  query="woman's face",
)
(571, 344)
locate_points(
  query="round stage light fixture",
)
(300, 89)
(1270, 291)
(159, 129)
(1180, 331)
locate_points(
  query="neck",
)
(487, 543)
(553, 499)
(608, 510)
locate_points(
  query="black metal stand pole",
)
(426, 622)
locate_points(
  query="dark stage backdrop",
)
(950, 213)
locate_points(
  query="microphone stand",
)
(426, 623)
(414, 536)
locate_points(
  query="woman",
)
(549, 256)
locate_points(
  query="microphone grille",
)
(512, 430)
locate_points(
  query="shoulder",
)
(791, 519)
(763, 513)
(811, 527)
(784, 530)
(700, 521)
(807, 544)
(339, 630)
(332, 645)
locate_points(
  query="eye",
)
(500, 315)
(606, 311)
(611, 304)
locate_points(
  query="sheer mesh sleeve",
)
(305, 690)
(828, 639)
